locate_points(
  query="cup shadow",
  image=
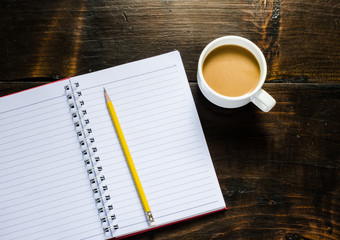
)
(236, 134)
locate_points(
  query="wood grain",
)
(67, 38)
(279, 171)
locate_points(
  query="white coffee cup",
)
(258, 96)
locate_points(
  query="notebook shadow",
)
(187, 229)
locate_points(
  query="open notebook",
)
(64, 175)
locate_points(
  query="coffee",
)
(231, 70)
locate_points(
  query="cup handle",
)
(263, 100)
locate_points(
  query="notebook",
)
(63, 172)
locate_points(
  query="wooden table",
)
(279, 171)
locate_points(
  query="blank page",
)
(45, 191)
(157, 113)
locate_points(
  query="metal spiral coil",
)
(91, 159)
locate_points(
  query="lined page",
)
(45, 192)
(158, 117)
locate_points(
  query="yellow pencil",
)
(129, 159)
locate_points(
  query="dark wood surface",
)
(278, 171)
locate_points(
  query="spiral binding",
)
(91, 159)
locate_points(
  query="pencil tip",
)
(107, 98)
